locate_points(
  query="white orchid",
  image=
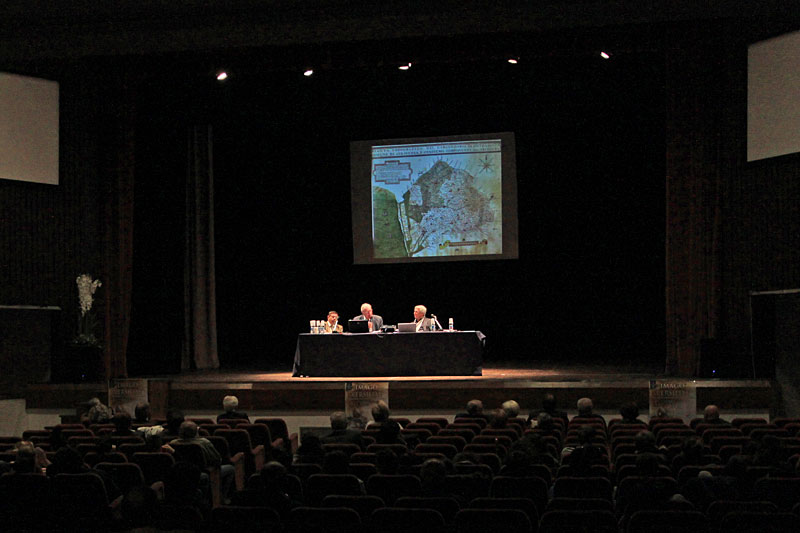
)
(86, 319)
(86, 290)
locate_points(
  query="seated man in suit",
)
(423, 323)
(375, 321)
(332, 323)
(340, 433)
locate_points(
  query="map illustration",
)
(437, 199)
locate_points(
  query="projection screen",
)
(434, 199)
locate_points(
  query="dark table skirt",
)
(440, 353)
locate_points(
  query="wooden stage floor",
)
(277, 391)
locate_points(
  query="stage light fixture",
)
(222, 75)
(605, 55)
(308, 72)
(513, 60)
(405, 67)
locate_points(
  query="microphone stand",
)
(436, 321)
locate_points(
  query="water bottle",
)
(312, 326)
(450, 324)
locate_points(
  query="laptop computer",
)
(358, 326)
(407, 327)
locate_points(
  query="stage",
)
(276, 392)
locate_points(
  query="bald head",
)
(711, 413)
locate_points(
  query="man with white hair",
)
(375, 321)
(230, 403)
(423, 323)
(586, 412)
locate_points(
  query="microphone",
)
(436, 321)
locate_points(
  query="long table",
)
(440, 353)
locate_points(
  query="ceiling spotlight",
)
(605, 55)
(308, 72)
(405, 67)
(222, 75)
(513, 60)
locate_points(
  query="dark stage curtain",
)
(703, 152)
(200, 332)
(119, 160)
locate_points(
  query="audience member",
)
(272, 489)
(336, 462)
(692, 454)
(182, 487)
(380, 415)
(230, 403)
(549, 406)
(645, 443)
(630, 414)
(310, 451)
(389, 433)
(586, 453)
(173, 425)
(98, 413)
(511, 408)
(122, 425)
(498, 419)
(711, 416)
(187, 434)
(141, 413)
(586, 412)
(340, 433)
(474, 410)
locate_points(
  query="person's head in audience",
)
(141, 413)
(549, 403)
(433, 475)
(387, 462)
(380, 412)
(585, 407)
(511, 408)
(310, 450)
(644, 441)
(187, 430)
(474, 407)
(230, 403)
(174, 421)
(25, 458)
(389, 433)
(499, 419)
(338, 420)
(336, 462)
(273, 475)
(67, 461)
(629, 412)
(711, 414)
(692, 447)
(122, 423)
(98, 413)
(544, 421)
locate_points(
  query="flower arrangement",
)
(86, 319)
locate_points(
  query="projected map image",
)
(437, 199)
